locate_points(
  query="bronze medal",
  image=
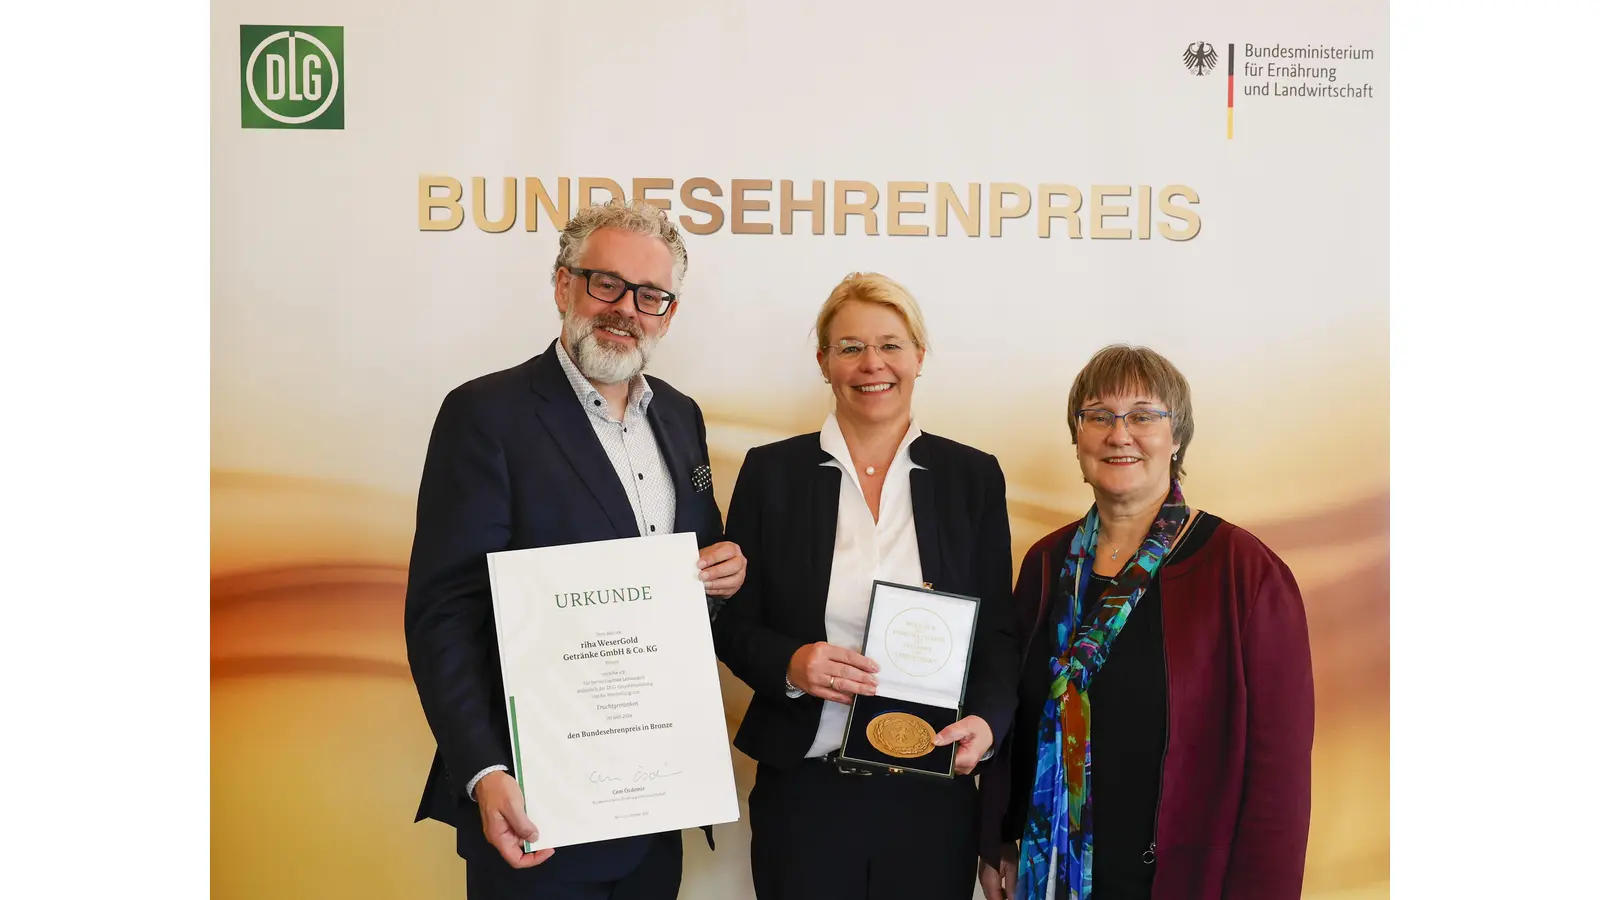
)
(900, 735)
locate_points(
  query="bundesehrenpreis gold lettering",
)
(788, 206)
(999, 210)
(1099, 211)
(698, 205)
(945, 196)
(1187, 213)
(535, 196)
(899, 207)
(740, 205)
(643, 186)
(1172, 209)
(480, 205)
(587, 186)
(428, 201)
(843, 209)
(1049, 211)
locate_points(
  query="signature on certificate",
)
(643, 773)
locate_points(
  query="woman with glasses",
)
(1162, 745)
(820, 517)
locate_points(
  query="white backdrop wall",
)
(343, 312)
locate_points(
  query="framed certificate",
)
(612, 695)
(921, 640)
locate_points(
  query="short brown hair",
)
(870, 287)
(1126, 369)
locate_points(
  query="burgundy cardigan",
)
(1235, 802)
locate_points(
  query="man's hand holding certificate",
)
(611, 689)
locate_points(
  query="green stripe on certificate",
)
(516, 751)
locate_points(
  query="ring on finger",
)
(830, 681)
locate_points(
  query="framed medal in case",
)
(921, 640)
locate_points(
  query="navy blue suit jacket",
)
(513, 462)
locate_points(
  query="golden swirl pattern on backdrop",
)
(319, 746)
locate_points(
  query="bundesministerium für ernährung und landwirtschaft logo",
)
(1200, 57)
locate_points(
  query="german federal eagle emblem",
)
(1200, 58)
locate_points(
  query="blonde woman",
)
(820, 517)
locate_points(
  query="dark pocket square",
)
(701, 478)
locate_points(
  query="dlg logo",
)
(292, 76)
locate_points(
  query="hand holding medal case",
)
(921, 640)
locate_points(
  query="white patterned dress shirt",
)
(631, 446)
(864, 551)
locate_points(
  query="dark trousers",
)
(655, 878)
(819, 834)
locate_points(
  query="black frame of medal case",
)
(857, 749)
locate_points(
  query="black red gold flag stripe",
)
(1230, 92)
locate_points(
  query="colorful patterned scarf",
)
(1058, 841)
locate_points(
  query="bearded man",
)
(574, 445)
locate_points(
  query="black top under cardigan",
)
(1128, 729)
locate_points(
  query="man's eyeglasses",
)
(1140, 422)
(849, 349)
(609, 288)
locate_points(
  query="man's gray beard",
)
(600, 362)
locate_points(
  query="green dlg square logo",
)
(291, 76)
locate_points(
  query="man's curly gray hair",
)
(637, 216)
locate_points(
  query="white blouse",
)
(864, 551)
